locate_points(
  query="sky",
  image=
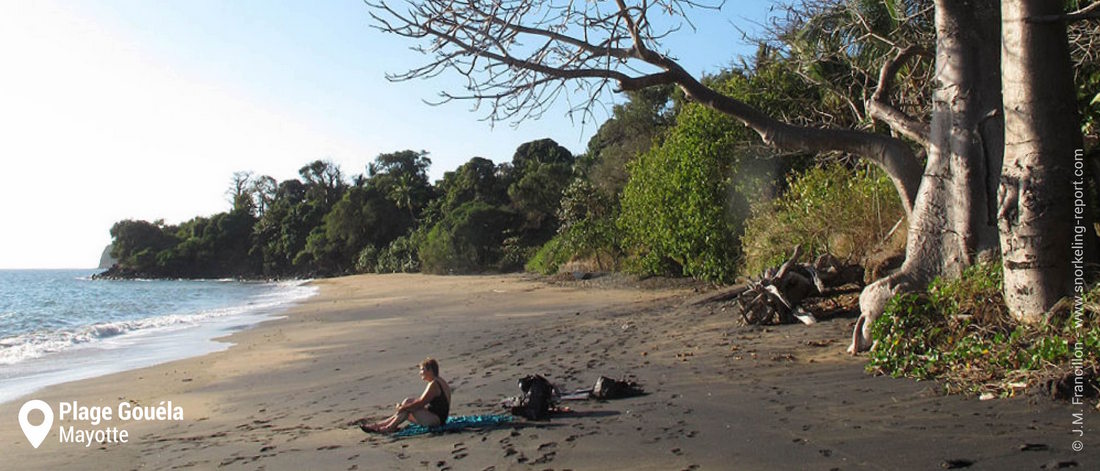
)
(143, 109)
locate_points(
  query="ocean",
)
(60, 325)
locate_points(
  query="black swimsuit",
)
(440, 406)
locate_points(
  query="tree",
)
(697, 230)
(240, 192)
(519, 55)
(135, 244)
(631, 130)
(283, 230)
(403, 178)
(541, 170)
(365, 216)
(1041, 136)
(264, 190)
(479, 179)
(324, 182)
(467, 240)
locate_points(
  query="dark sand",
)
(721, 396)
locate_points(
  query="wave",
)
(37, 344)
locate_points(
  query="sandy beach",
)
(719, 396)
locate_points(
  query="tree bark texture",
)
(953, 222)
(1042, 132)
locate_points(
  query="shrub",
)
(588, 229)
(467, 240)
(959, 332)
(401, 255)
(514, 254)
(681, 204)
(830, 209)
(549, 258)
(367, 261)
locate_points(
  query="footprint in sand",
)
(545, 458)
(459, 451)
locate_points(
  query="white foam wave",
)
(37, 344)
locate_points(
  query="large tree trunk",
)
(953, 222)
(1041, 134)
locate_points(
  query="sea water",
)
(61, 325)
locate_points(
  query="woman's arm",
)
(430, 393)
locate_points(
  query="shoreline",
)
(85, 353)
(719, 397)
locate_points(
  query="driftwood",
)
(776, 297)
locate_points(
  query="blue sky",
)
(144, 109)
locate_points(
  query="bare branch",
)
(518, 55)
(880, 108)
(1090, 12)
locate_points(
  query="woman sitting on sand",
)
(430, 410)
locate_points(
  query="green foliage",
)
(960, 333)
(539, 173)
(837, 49)
(467, 240)
(476, 180)
(401, 255)
(136, 243)
(367, 261)
(514, 253)
(403, 178)
(588, 228)
(633, 128)
(681, 203)
(364, 216)
(906, 332)
(549, 258)
(828, 209)
(217, 246)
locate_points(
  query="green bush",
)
(549, 258)
(830, 209)
(959, 332)
(467, 240)
(401, 255)
(367, 261)
(588, 229)
(681, 203)
(514, 254)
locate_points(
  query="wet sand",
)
(720, 396)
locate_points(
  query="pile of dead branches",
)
(776, 297)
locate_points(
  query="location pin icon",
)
(36, 433)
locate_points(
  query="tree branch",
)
(1090, 12)
(483, 40)
(880, 108)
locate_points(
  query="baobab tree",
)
(994, 178)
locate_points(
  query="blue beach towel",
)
(456, 423)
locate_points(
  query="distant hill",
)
(106, 260)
